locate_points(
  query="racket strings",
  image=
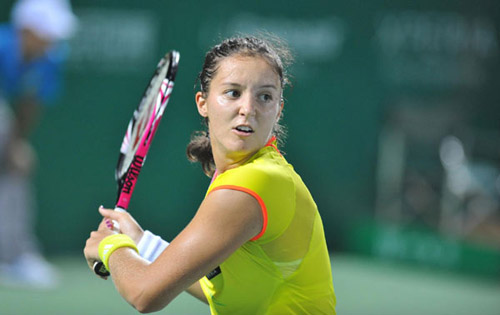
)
(143, 118)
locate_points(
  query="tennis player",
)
(33, 51)
(256, 244)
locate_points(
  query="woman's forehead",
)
(248, 68)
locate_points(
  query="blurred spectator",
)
(32, 50)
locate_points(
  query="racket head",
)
(144, 121)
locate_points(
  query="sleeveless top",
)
(285, 269)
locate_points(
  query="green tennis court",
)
(363, 286)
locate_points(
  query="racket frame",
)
(127, 180)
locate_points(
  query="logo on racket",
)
(133, 173)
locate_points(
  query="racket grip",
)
(116, 225)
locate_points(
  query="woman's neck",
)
(224, 161)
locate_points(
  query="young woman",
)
(256, 244)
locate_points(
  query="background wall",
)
(364, 72)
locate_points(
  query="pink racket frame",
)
(142, 150)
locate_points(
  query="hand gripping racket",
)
(140, 132)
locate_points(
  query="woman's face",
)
(243, 104)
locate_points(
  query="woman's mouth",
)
(243, 130)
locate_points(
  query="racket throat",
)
(130, 181)
(132, 174)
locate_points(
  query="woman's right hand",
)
(128, 225)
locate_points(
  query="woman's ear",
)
(201, 104)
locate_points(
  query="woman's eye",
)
(233, 93)
(266, 97)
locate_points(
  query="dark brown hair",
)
(269, 47)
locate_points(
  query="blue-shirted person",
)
(32, 51)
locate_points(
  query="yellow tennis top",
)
(286, 268)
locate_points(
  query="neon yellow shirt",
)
(286, 268)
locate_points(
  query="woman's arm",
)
(196, 291)
(225, 220)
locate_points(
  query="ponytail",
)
(199, 150)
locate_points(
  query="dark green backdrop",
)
(348, 54)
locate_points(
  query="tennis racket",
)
(140, 132)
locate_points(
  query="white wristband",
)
(151, 246)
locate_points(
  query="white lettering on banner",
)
(114, 40)
(396, 242)
(435, 48)
(320, 39)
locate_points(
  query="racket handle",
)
(99, 268)
(116, 225)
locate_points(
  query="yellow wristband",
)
(111, 243)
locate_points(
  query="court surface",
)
(363, 286)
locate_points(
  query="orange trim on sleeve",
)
(259, 200)
(271, 140)
(272, 143)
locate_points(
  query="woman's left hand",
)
(91, 250)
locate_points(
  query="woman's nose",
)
(247, 106)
